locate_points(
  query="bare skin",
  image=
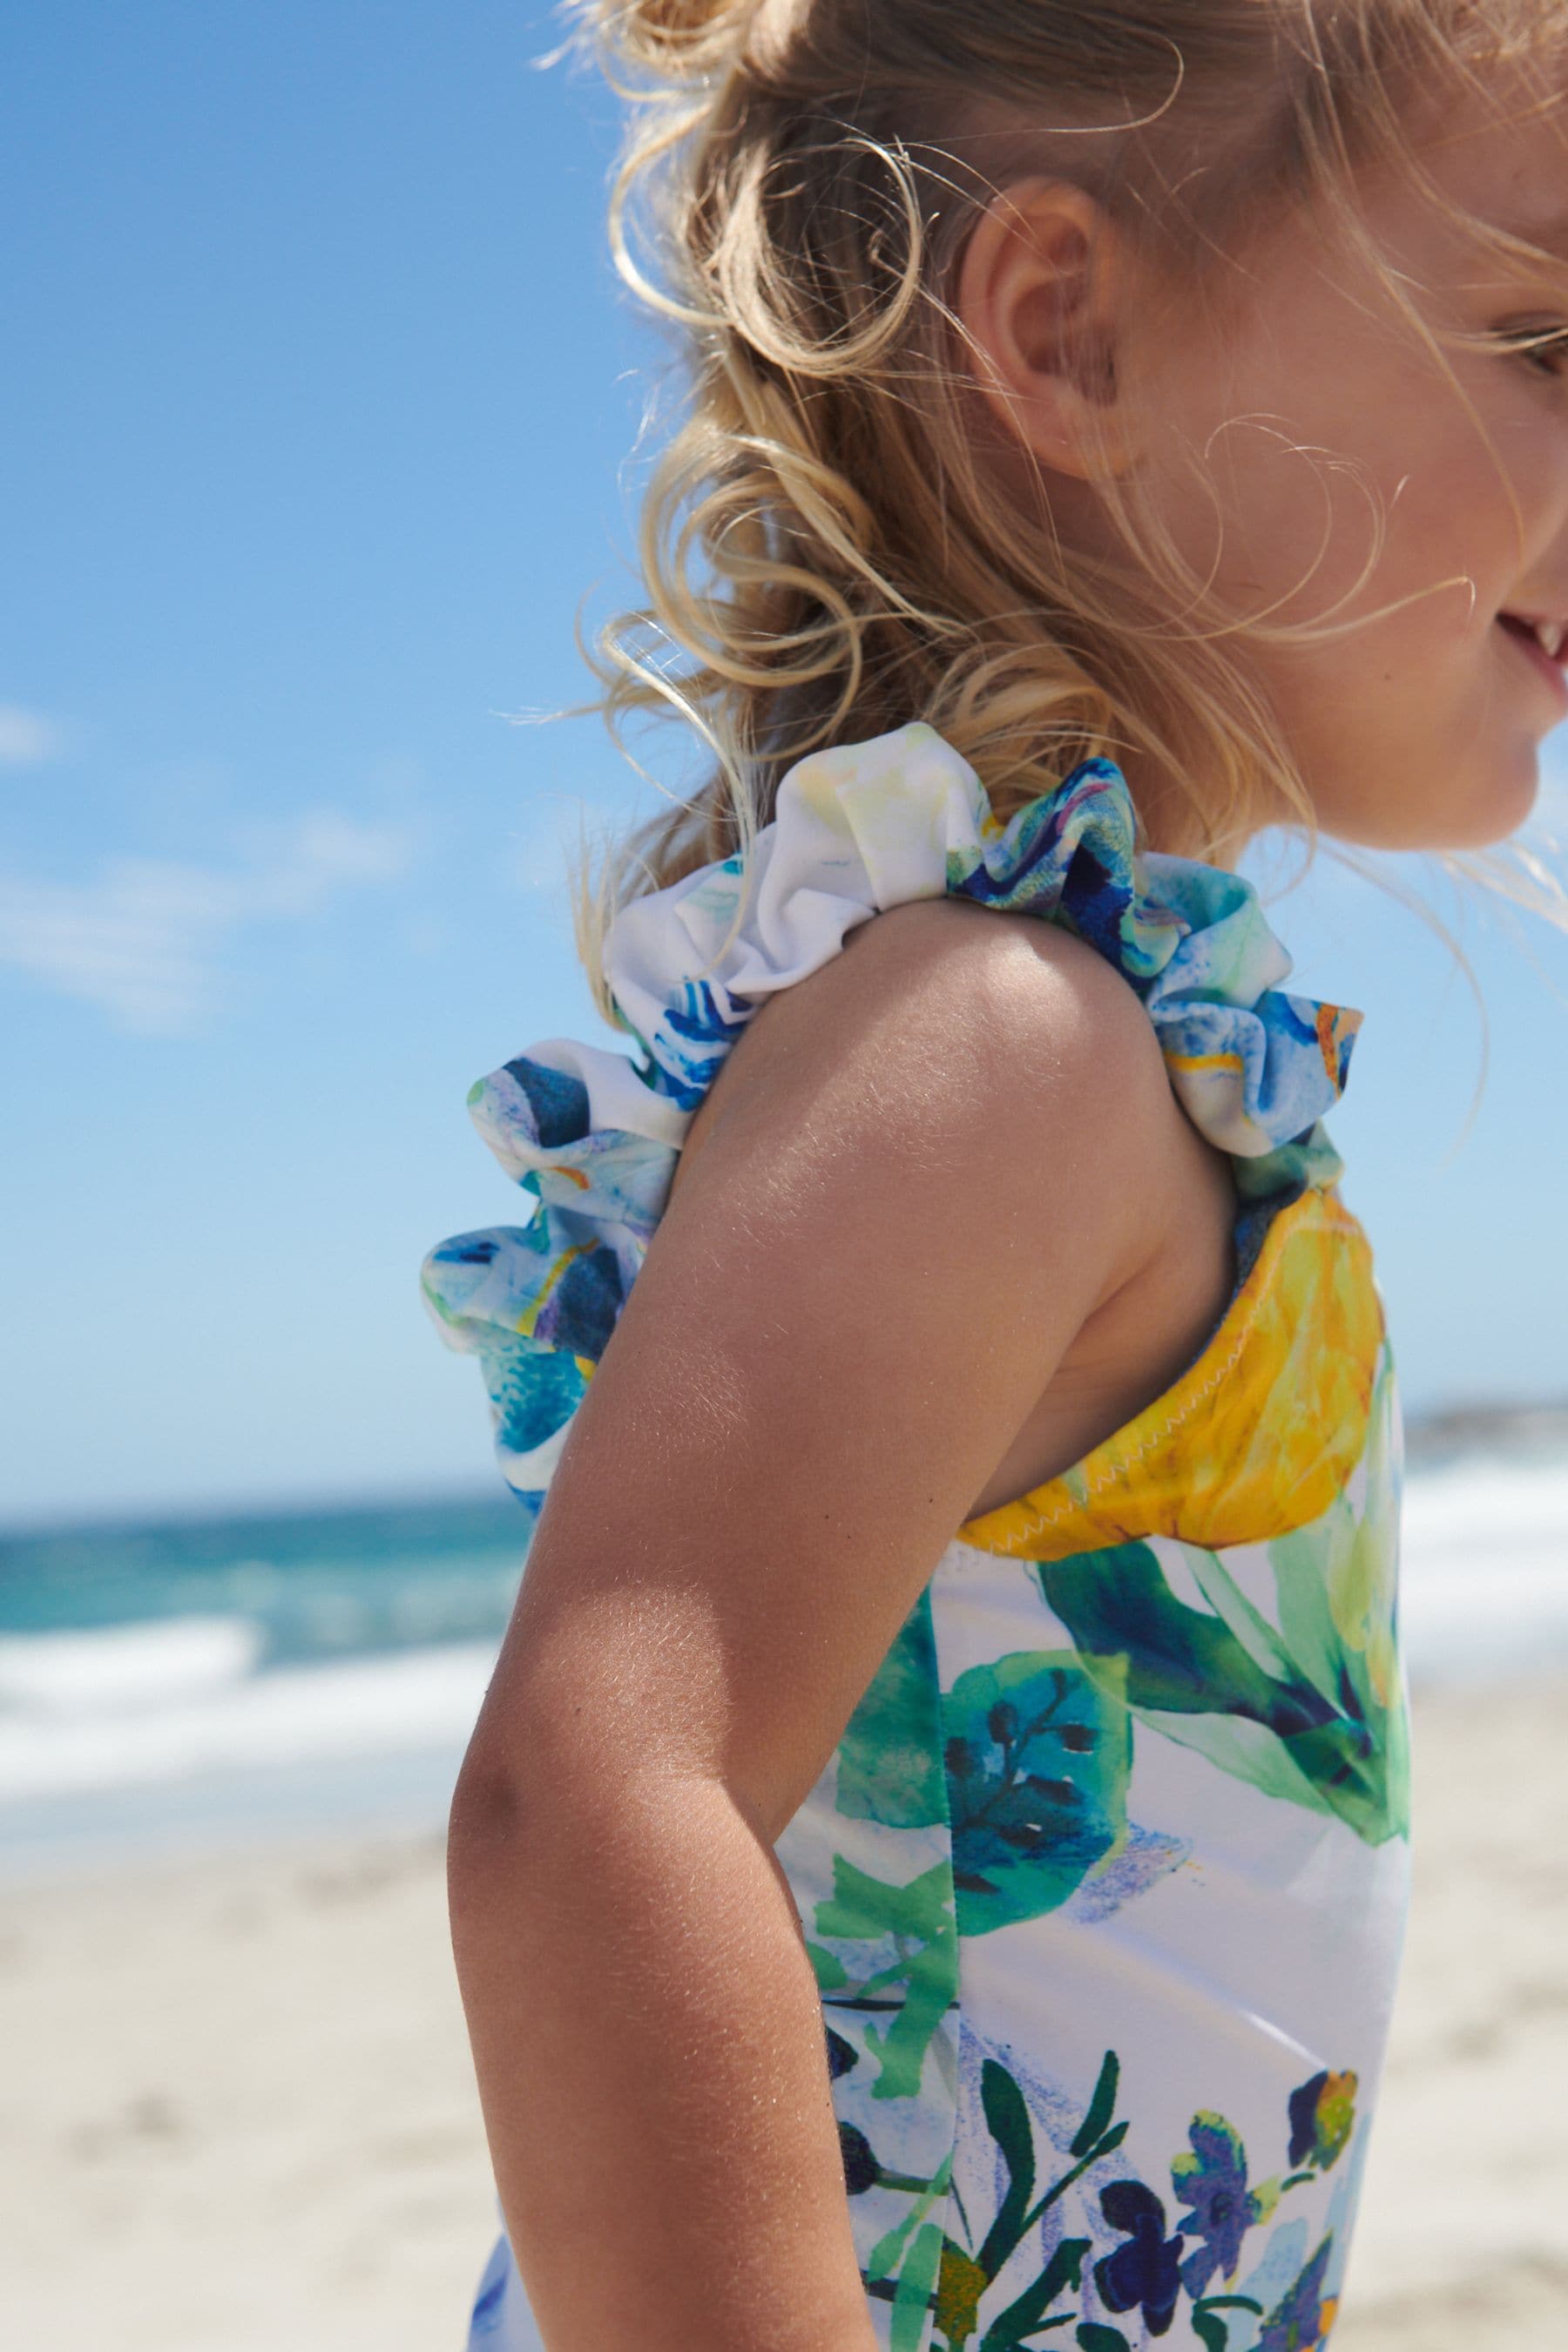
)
(939, 1227)
(1139, 1338)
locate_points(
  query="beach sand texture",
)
(237, 2110)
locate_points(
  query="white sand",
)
(236, 2113)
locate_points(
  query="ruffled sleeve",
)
(856, 829)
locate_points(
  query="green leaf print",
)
(1026, 2315)
(1008, 2119)
(1297, 1719)
(965, 2276)
(1102, 2105)
(1155, 1652)
(889, 1758)
(1337, 1610)
(1037, 1756)
(861, 1907)
(911, 2303)
(882, 2263)
(830, 1970)
(918, 1922)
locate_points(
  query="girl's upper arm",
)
(928, 1162)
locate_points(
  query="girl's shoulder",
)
(1023, 1056)
(901, 828)
(1048, 985)
(978, 1010)
(987, 1061)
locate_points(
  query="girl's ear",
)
(1033, 296)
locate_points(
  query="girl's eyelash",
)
(1536, 346)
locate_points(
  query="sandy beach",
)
(237, 2111)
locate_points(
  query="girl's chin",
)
(1504, 812)
(1488, 816)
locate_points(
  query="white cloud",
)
(27, 737)
(144, 939)
(320, 853)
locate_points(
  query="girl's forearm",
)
(650, 2057)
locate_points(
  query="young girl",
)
(931, 1866)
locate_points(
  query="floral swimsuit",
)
(1105, 1884)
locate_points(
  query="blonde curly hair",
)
(823, 555)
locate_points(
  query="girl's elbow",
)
(486, 1821)
(508, 1808)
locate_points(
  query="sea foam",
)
(203, 1697)
(391, 1705)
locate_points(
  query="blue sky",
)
(316, 430)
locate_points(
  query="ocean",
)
(185, 1685)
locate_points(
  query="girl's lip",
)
(1536, 654)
